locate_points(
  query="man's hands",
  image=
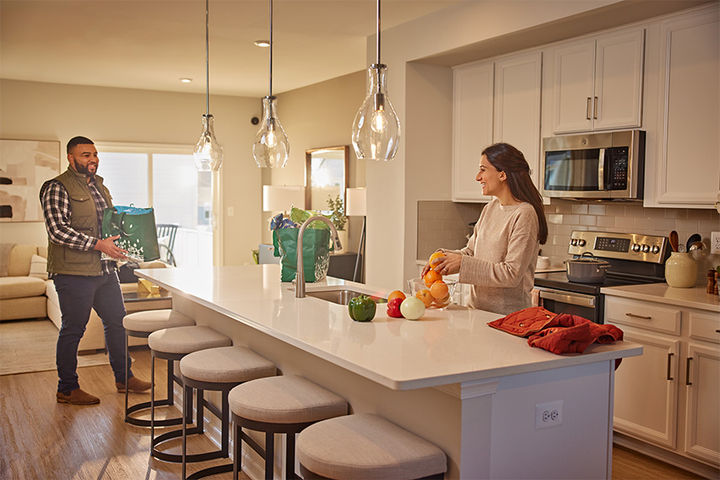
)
(446, 265)
(108, 247)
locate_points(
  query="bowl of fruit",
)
(434, 292)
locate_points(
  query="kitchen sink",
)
(341, 297)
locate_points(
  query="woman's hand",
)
(446, 265)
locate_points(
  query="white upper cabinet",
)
(494, 101)
(598, 83)
(472, 127)
(518, 81)
(683, 167)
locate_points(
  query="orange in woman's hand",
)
(434, 257)
(431, 277)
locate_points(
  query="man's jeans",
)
(78, 295)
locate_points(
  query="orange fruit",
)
(439, 290)
(434, 257)
(395, 294)
(425, 296)
(431, 277)
(442, 302)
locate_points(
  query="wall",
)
(319, 115)
(43, 111)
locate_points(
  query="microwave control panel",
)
(616, 159)
(624, 246)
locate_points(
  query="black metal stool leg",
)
(289, 456)
(152, 399)
(237, 456)
(184, 432)
(269, 455)
(225, 420)
(127, 355)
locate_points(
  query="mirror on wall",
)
(326, 172)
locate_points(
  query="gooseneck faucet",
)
(300, 277)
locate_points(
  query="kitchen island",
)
(476, 392)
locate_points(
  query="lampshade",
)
(356, 202)
(278, 198)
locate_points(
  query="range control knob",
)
(645, 248)
(581, 243)
(635, 247)
(574, 242)
(655, 249)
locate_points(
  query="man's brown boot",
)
(77, 397)
(135, 385)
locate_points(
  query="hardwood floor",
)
(41, 439)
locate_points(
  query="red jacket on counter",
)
(556, 332)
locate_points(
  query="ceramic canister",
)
(680, 270)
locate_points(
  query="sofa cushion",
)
(20, 287)
(21, 308)
(38, 267)
(19, 262)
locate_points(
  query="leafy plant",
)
(337, 212)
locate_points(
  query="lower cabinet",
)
(670, 395)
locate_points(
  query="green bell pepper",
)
(362, 308)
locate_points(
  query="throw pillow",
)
(38, 267)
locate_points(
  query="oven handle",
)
(568, 297)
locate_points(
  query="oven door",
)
(562, 301)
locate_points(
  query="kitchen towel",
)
(557, 333)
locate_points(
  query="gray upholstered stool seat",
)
(151, 320)
(173, 344)
(217, 369)
(184, 340)
(141, 325)
(285, 404)
(364, 447)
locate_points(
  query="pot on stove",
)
(586, 269)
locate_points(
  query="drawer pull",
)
(717, 331)
(644, 317)
(668, 366)
(687, 372)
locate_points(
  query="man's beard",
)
(84, 170)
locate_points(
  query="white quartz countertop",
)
(695, 297)
(442, 348)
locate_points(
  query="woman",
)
(499, 259)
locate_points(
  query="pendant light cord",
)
(207, 58)
(271, 45)
(378, 33)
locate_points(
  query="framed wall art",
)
(24, 166)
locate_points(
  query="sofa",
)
(26, 292)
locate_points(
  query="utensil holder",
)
(680, 270)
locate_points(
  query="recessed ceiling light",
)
(186, 80)
(262, 43)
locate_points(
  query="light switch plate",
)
(715, 242)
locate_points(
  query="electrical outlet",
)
(548, 414)
(714, 242)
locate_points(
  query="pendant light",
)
(271, 147)
(376, 129)
(208, 153)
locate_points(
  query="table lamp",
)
(356, 199)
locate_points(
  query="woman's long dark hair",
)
(510, 160)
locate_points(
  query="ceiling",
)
(151, 44)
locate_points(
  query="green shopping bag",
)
(316, 253)
(136, 227)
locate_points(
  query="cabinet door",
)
(573, 85)
(689, 171)
(472, 127)
(702, 425)
(618, 80)
(518, 85)
(646, 389)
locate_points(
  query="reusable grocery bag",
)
(316, 253)
(136, 227)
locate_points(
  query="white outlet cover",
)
(548, 414)
(714, 242)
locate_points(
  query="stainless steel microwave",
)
(594, 165)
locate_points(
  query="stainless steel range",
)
(633, 258)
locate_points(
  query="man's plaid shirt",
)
(56, 209)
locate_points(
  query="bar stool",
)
(285, 404)
(366, 447)
(141, 325)
(172, 344)
(217, 369)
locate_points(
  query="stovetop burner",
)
(560, 281)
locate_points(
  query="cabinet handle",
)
(595, 105)
(717, 331)
(638, 316)
(587, 108)
(668, 366)
(687, 372)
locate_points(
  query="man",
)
(73, 204)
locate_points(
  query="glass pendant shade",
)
(208, 153)
(271, 148)
(376, 129)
